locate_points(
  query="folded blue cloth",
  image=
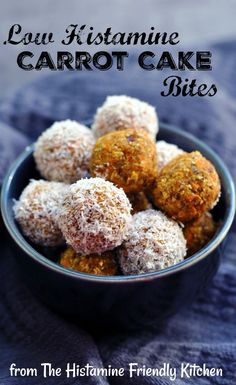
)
(203, 333)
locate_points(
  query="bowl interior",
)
(24, 169)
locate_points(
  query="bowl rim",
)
(186, 263)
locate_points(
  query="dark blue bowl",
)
(123, 302)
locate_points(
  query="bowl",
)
(119, 302)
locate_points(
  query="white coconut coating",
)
(216, 201)
(122, 112)
(154, 242)
(37, 209)
(63, 151)
(166, 152)
(94, 216)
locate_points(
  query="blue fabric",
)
(206, 331)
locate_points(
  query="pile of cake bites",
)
(119, 202)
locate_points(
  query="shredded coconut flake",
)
(63, 151)
(166, 152)
(154, 242)
(122, 112)
(36, 212)
(94, 216)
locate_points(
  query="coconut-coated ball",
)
(154, 242)
(187, 187)
(36, 212)
(121, 112)
(104, 264)
(127, 158)
(199, 232)
(94, 216)
(63, 151)
(166, 152)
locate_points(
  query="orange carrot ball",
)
(199, 232)
(139, 202)
(187, 187)
(127, 158)
(104, 264)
